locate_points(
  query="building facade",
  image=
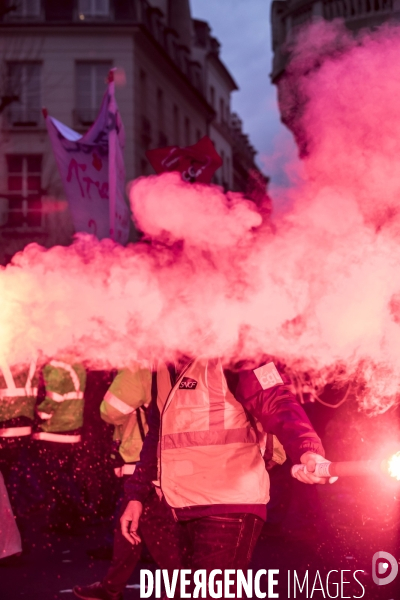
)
(288, 16)
(218, 85)
(58, 54)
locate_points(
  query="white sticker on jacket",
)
(268, 376)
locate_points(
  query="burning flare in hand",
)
(350, 468)
(394, 466)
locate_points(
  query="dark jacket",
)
(276, 408)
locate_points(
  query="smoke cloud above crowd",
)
(318, 288)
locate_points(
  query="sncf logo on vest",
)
(188, 384)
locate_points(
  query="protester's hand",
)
(311, 462)
(310, 459)
(130, 521)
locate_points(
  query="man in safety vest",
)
(18, 391)
(60, 409)
(209, 468)
(124, 406)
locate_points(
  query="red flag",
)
(197, 163)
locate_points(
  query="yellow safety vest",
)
(128, 393)
(209, 451)
(18, 391)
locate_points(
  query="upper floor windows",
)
(188, 134)
(212, 96)
(93, 8)
(162, 136)
(145, 123)
(24, 87)
(177, 128)
(91, 81)
(25, 8)
(22, 208)
(222, 110)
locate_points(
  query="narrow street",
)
(58, 562)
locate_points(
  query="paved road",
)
(335, 539)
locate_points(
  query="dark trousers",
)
(217, 542)
(56, 471)
(162, 536)
(222, 541)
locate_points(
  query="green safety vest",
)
(62, 408)
(18, 391)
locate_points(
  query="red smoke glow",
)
(320, 290)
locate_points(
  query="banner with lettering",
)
(92, 170)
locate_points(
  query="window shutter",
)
(94, 8)
(33, 92)
(101, 7)
(27, 8)
(91, 85)
(85, 7)
(24, 81)
(14, 79)
(32, 8)
(84, 91)
(102, 70)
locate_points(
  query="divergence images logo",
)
(188, 384)
(380, 565)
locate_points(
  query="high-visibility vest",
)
(124, 407)
(62, 408)
(18, 391)
(209, 451)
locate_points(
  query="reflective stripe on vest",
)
(8, 432)
(118, 404)
(58, 364)
(56, 437)
(77, 394)
(62, 397)
(209, 452)
(213, 437)
(11, 391)
(125, 470)
(17, 392)
(44, 415)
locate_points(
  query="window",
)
(187, 132)
(145, 132)
(145, 123)
(91, 81)
(162, 137)
(93, 8)
(143, 93)
(24, 180)
(223, 165)
(26, 8)
(222, 110)
(24, 83)
(177, 133)
(144, 167)
(212, 96)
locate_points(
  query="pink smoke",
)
(320, 290)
